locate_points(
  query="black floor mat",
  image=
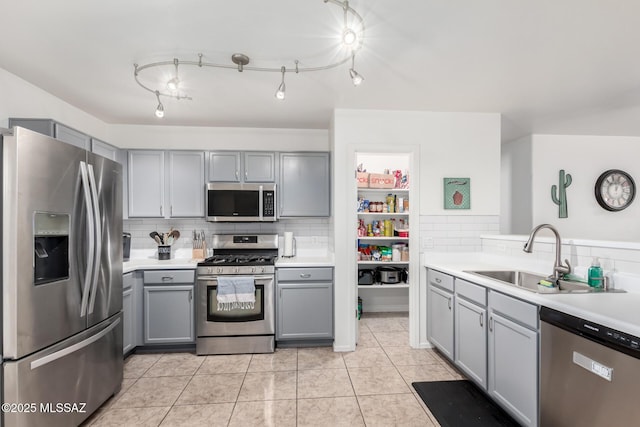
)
(461, 404)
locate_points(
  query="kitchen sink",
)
(529, 282)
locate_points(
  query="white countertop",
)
(619, 311)
(156, 264)
(326, 260)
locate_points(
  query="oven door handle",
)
(215, 278)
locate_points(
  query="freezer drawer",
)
(65, 383)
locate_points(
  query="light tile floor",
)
(291, 387)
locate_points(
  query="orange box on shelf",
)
(380, 180)
(363, 179)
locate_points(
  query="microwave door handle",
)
(98, 234)
(261, 202)
(91, 235)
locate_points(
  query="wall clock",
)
(615, 190)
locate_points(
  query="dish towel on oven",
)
(236, 292)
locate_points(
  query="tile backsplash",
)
(455, 233)
(140, 229)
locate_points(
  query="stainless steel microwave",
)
(236, 202)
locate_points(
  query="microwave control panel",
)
(268, 207)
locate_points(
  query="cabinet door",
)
(304, 185)
(168, 314)
(440, 316)
(103, 149)
(471, 340)
(186, 184)
(304, 311)
(43, 126)
(259, 167)
(72, 136)
(513, 368)
(128, 320)
(146, 184)
(224, 166)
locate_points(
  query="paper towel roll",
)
(288, 244)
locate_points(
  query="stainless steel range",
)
(235, 331)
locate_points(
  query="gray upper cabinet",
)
(186, 184)
(259, 166)
(55, 130)
(146, 184)
(304, 185)
(105, 150)
(236, 166)
(224, 166)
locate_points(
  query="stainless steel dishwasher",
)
(589, 373)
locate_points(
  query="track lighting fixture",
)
(160, 107)
(280, 92)
(351, 37)
(356, 78)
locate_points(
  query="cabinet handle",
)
(171, 210)
(481, 319)
(305, 275)
(167, 278)
(237, 175)
(190, 295)
(449, 301)
(490, 323)
(161, 214)
(246, 175)
(438, 280)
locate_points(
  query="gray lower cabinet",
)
(169, 307)
(304, 304)
(471, 330)
(128, 314)
(305, 182)
(440, 305)
(132, 311)
(513, 357)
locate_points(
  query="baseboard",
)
(382, 308)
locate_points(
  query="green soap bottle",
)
(595, 278)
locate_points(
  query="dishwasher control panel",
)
(628, 343)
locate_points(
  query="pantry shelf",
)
(388, 239)
(383, 262)
(377, 286)
(383, 214)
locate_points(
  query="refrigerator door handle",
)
(98, 234)
(72, 348)
(92, 243)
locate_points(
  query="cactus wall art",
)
(559, 193)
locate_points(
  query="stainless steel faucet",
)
(559, 269)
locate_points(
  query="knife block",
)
(199, 253)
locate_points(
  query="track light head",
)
(280, 93)
(356, 78)
(173, 85)
(160, 107)
(349, 38)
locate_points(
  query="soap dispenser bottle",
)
(595, 278)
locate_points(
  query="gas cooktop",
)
(239, 259)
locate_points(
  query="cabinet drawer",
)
(518, 311)
(472, 292)
(168, 276)
(305, 274)
(127, 280)
(440, 280)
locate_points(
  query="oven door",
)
(212, 322)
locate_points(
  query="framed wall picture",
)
(457, 193)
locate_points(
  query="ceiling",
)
(548, 66)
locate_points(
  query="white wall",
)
(516, 210)
(585, 158)
(22, 99)
(212, 138)
(447, 145)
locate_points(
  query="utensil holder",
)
(198, 253)
(164, 252)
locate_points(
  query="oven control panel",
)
(232, 269)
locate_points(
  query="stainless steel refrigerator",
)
(61, 280)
